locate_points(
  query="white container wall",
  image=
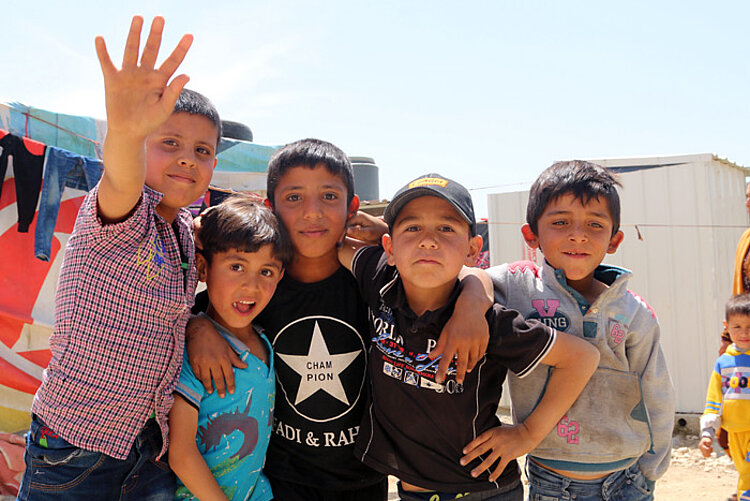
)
(682, 217)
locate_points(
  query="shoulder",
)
(638, 305)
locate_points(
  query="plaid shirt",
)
(122, 303)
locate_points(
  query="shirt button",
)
(595, 310)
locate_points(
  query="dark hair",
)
(309, 153)
(738, 305)
(584, 180)
(196, 103)
(242, 224)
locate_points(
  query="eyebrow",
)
(561, 212)
(451, 218)
(325, 186)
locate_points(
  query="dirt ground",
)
(690, 476)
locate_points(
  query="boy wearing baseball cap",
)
(443, 440)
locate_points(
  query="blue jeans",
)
(63, 169)
(57, 470)
(623, 485)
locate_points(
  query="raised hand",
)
(139, 97)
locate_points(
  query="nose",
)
(578, 232)
(311, 208)
(187, 158)
(428, 240)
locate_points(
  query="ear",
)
(529, 236)
(202, 266)
(388, 247)
(726, 326)
(268, 203)
(615, 242)
(216, 160)
(353, 206)
(475, 247)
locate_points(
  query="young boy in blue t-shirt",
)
(218, 445)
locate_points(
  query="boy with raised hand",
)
(99, 425)
(444, 440)
(218, 445)
(317, 323)
(728, 394)
(615, 442)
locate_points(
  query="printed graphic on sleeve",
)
(320, 367)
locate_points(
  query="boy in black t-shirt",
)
(317, 324)
(441, 439)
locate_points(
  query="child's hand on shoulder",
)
(503, 444)
(139, 97)
(706, 446)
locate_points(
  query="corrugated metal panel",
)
(690, 214)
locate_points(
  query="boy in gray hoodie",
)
(615, 441)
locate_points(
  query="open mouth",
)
(243, 306)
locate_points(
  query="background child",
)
(126, 286)
(416, 428)
(615, 441)
(727, 403)
(242, 258)
(317, 323)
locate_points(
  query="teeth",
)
(251, 303)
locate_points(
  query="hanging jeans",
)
(63, 169)
(28, 160)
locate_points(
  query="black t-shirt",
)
(416, 428)
(319, 336)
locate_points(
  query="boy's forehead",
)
(738, 318)
(264, 253)
(182, 123)
(293, 174)
(569, 201)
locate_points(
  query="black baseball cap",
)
(433, 185)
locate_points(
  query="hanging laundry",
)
(63, 169)
(27, 158)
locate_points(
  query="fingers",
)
(105, 61)
(151, 49)
(172, 91)
(205, 378)
(462, 364)
(133, 43)
(169, 66)
(444, 363)
(217, 376)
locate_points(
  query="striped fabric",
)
(120, 313)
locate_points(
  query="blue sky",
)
(487, 93)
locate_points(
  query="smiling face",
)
(180, 159)
(429, 244)
(738, 327)
(240, 284)
(574, 237)
(312, 205)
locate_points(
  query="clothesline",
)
(26, 130)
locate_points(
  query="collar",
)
(614, 277)
(734, 351)
(394, 296)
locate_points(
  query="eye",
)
(559, 222)
(267, 272)
(169, 141)
(236, 267)
(293, 197)
(204, 150)
(446, 229)
(330, 196)
(411, 228)
(597, 225)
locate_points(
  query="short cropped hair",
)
(309, 153)
(737, 305)
(196, 103)
(239, 223)
(584, 180)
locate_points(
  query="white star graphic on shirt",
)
(319, 369)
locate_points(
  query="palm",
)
(139, 96)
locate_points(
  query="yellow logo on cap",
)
(429, 181)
